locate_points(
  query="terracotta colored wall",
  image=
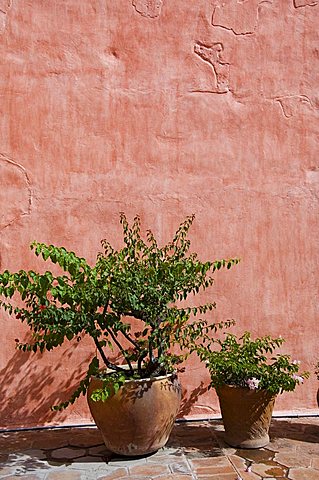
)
(163, 108)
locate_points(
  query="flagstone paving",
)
(195, 451)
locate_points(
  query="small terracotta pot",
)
(139, 418)
(246, 415)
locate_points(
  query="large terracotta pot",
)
(139, 418)
(246, 415)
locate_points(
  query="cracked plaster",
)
(5, 6)
(241, 18)
(148, 8)
(213, 55)
(305, 3)
(15, 191)
(292, 105)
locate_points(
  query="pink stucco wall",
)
(163, 108)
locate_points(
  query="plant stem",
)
(126, 335)
(139, 363)
(153, 363)
(115, 340)
(105, 360)
(105, 308)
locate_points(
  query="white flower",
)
(252, 383)
(296, 362)
(297, 378)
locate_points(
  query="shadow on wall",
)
(188, 402)
(30, 385)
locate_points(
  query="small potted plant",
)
(247, 378)
(129, 303)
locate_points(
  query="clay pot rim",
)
(137, 380)
(247, 389)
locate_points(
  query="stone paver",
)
(270, 470)
(238, 462)
(213, 470)
(64, 476)
(4, 471)
(148, 470)
(25, 477)
(217, 476)
(195, 451)
(175, 477)
(212, 466)
(99, 450)
(303, 474)
(118, 473)
(293, 459)
(209, 462)
(260, 455)
(128, 461)
(165, 459)
(67, 453)
(180, 467)
(249, 475)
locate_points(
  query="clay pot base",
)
(249, 443)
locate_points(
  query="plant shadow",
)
(199, 439)
(28, 451)
(188, 401)
(30, 386)
(43, 449)
(297, 430)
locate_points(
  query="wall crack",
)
(304, 3)
(292, 105)
(240, 18)
(15, 186)
(148, 8)
(213, 55)
(5, 6)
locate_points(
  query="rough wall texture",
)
(163, 108)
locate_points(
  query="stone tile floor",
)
(195, 451)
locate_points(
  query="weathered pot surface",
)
(138, 419)
(246, 415)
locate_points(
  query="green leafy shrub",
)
(141, 281)
(249, 363)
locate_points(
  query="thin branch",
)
(135, 314)
(109, 364)
(105, 308)
(153, 363)
(139, 363)
(150, 350)
(115, 340)
(126, 335)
